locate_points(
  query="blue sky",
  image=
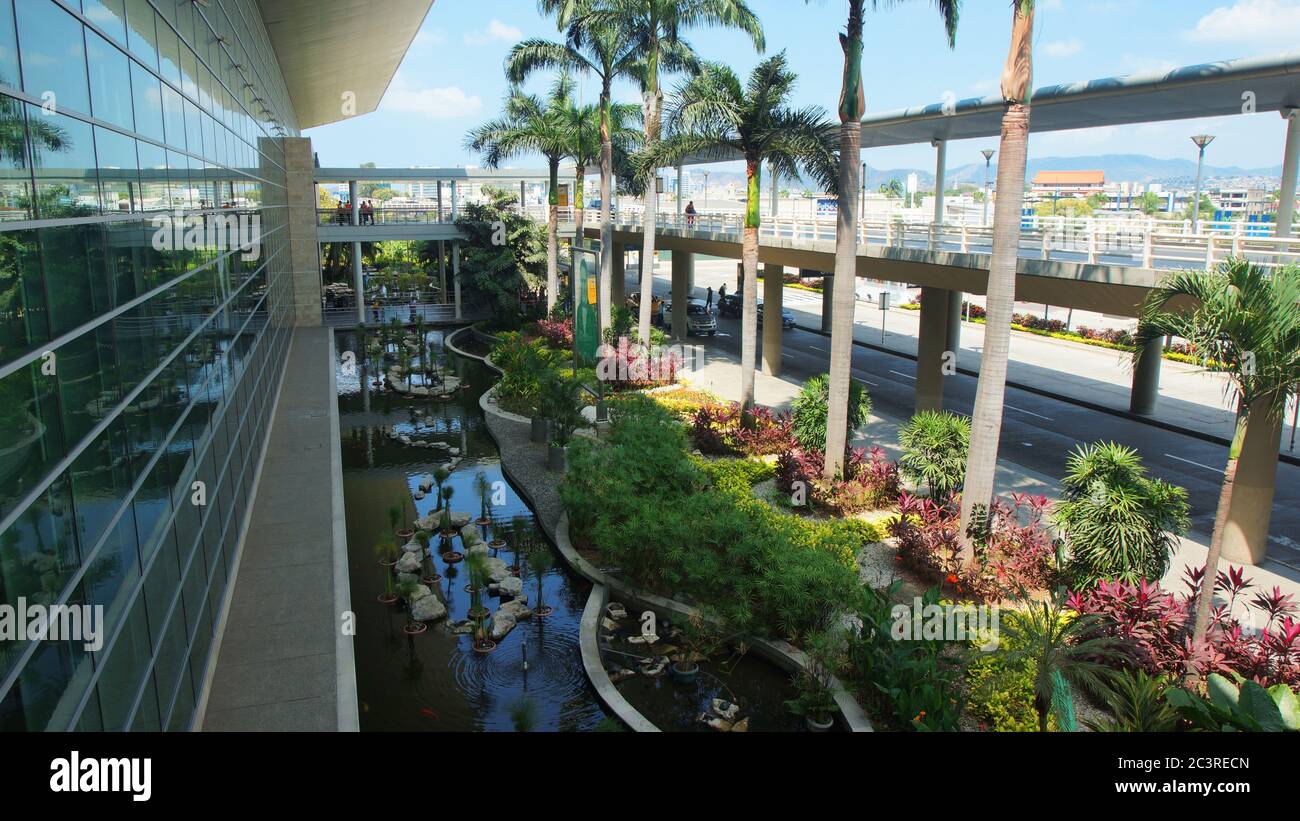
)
(451, 79)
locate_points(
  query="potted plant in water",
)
(430, 576)
(387, 553)
(699, 639)
(540, 561)
(440, 476)
(412, 628)
(541, 426)
(403, 531)
(445, 524)
(815, 702)
(521, 539)
(478, 612)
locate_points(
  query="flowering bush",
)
(629, 366)
(870, 481)
(558, 333)
(722, 430)
(1156, 626)
(1013, 549)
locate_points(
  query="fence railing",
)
(431, 313)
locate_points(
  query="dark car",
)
(787, 318)
(729, 306)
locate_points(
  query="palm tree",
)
(530, 125)
(843, 297)
(1061, 648)
(608, 54)
(986, 421)
(1248, 321)
(655, 27)
(714, 116)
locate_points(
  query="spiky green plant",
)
(934, 446)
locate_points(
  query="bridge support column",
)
(442, 269)
(455, 275)
(618, 277)
(932, 342)
(1146, 379)
(954, 321)
(683, 270)
(828, 301)
(359, 282)
(773, 288)
(1245, 536)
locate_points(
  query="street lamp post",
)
(1201, 140)
(862, 210)
(988, 159)
(706, 189)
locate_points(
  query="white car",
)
(699, 320)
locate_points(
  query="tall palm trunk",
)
(579, 201)
(553, 237)
(651, 106)
(1205, 596)
(986, 421)
(606, 223)
(749, 287)
(846, 245)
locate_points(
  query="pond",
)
(434, 681)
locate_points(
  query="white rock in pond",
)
(724, 709)
(609, 624)
(498, 570)
(426, 482)
(650, 639)
(461, 519)
(480, 547)
(413, 546)
(502, 624)
(511, 586)
(421, 591)
(429, 522)
(409, 563)
(453, 451)
(404, 439)
(429, 608)
(616, 611)
(419, 495)
(518, 608)
(403, 578)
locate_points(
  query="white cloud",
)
(435, 103)
(1249, 21)
(1063, 48)
(496, 30)
(430, 39)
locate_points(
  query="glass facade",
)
(127, 373)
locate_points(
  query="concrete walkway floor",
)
(283, 662)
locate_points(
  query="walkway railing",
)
(432, 313)
(1140, 243)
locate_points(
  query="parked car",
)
(787, 318)
(633, 303)
(729, 306)
(698, 318)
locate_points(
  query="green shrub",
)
(735, 475)
(1118, 523)
(935, 444)
(808, 411)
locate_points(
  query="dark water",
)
(433, 681)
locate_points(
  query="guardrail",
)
(431, 313)
(1138, 243)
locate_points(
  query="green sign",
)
(586, 319)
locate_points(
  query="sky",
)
(452, 79)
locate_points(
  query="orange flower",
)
(952, 578)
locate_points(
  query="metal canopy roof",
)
(327, 48)
(1205, 90)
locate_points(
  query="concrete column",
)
(522, 190)
(359, 282)
(455, 274)
(439, 200)
(442, 270)
(683, 268)
(1146, 379)
(681, 195)
(775, 191)
(690, 278)
(773, 289)
(455, 200)
(931, 344)
(354, 201)
(618, 277)
(940, 171)
(954, 321)
(1245, 537)
(828, 301)
(302, 263)
(1290, 164)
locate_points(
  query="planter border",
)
(595, 667)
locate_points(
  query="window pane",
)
(15, 176)
(146, 89)
(63, 155)
(141, 36)
(53, 54)
(109, 15)
(23, 319)
(153, 176)
(8, 45)
(119, 174)
(75, 278)
(110, 75)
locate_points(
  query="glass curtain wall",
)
(138, 364)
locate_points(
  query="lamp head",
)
(988, 154)
(1203, 140)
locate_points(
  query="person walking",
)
(690, 213)
(708, 300)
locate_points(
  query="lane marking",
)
(905, 376)
(863, 378)
(1031, 413)
(1198, 464)
(815, 348)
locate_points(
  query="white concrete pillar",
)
(354, 202)
(682, 268)
(455, 275)
(940, 172)
(1146, 378)
(439, 200)
(931, 344)
(681, 194)
(442, 270)
(455, 200)
(828, 301)
(1290, 165)
(358, 282)
(773, 290)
